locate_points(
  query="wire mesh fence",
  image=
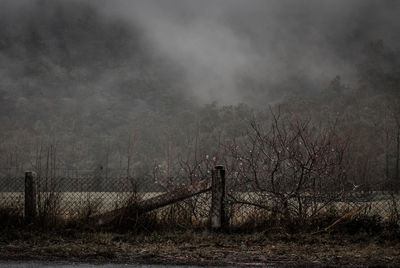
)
(73, 197)
(382, 203)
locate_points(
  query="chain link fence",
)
(382, 203)
(82, 196)
(73, 197)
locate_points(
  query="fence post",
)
(30, 195)
(218, 216)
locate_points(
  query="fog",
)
(296, 45)
(128, 85)
(232, 51)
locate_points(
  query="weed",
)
(10, 217)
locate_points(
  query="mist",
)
(207, 132)
(128, 85)
(234, 51)
(292, 45)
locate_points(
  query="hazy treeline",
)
(90, 88)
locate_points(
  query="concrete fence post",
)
(218, 215)
(30, 195)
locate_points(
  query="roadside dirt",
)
(200, 248)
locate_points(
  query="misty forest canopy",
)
(126, 86)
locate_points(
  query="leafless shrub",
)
(90, 206)
(49, 200)
(292, 167)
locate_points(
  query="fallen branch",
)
(348, 215)
(154, 203)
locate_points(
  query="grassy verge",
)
(332, 240)
(200, 247)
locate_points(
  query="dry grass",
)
(171, 235)
(201, 248)
(67, 208)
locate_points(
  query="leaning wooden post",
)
(218, 219)
(30, 195)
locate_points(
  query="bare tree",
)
(293, 166)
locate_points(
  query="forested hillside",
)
(83, 90)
